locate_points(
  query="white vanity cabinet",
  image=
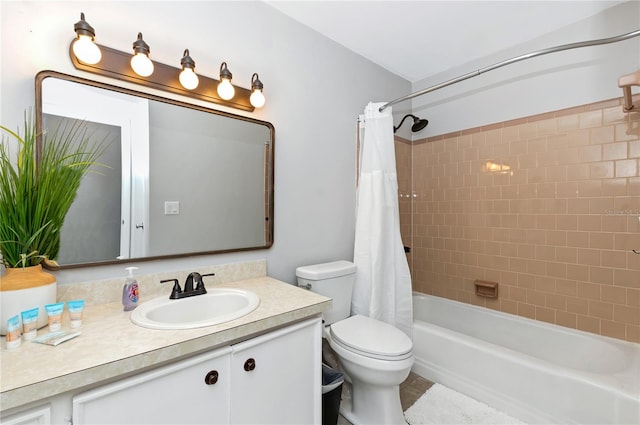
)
(277, 378)
(173, 394)
(274, 378)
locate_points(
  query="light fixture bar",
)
(116, 64)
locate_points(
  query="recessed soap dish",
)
(486, 289)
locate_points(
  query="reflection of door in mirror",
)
(121, 189)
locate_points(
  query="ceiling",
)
(417, 39)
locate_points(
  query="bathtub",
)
(534, 371)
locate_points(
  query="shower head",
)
(418, 123)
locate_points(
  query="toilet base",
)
(371, 405)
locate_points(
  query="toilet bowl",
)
(376, 356)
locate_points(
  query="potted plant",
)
(37, 189)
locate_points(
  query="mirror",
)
(181, 179)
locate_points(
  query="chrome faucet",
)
(189, 290)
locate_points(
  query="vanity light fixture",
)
(140, 62)
(225, 88)
(188, 78)
(83, 46)
(257, 98)
(120, 65)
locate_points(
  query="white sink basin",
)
(217, 306)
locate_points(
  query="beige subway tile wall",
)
(547, 206)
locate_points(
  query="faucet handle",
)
(176, 291)
(200, 283)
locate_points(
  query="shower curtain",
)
(382, 288)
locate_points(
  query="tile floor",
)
(410, 391)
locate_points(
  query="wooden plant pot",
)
(25, 288)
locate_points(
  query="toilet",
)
(375, 356)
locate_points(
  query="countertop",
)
(112, 346)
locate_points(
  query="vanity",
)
(264, 367)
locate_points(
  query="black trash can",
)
(332, 381)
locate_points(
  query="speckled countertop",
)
(112, 346)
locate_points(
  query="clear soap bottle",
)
(130, 291)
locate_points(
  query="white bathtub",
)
(534, 371)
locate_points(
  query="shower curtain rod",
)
(569, 46)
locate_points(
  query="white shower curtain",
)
(382, 288)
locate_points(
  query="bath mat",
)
(441, 405)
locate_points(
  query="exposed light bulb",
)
(140, 62)
(257, 99)
(189, 79)
(83, 46)
(226, 90)
(86, 50)
(142, 65)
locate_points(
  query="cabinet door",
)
(38, 416)
(174, 394)
(276, 377)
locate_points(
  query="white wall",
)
(533, 86)
(315, 90)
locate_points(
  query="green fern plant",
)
(37, 190)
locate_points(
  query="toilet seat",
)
(371, 338)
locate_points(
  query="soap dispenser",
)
(130, 291)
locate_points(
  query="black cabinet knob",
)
(211, 378)
(249, 365)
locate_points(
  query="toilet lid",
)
(371, 337)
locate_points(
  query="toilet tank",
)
(333, 280)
